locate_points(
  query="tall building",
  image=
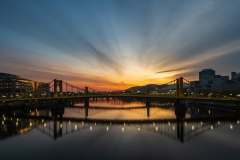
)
(16, 86)
(207, 77)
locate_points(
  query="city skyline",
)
(118, 44)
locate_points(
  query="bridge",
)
(177, 90)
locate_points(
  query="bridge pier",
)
(179, 106)
(148, 102)
(86, 102)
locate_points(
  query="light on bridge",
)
(60, 125)
(107, 128)
(90, 128)
(153, 123)
(2, 122)
(238, 122)
(139, 128)
(231, 126)
(45, 125)
(4, 118)
(185, 123)
(173, 127)
(75, 127)
(156, 128)
(95, 123)
(69, 122)
(169, 123)
(122, 129)
(82, 123)
(17, 119)
(42, 120)
(201, 123)
(30, 111)
(192, 127)
(218, 122)
(16, 123)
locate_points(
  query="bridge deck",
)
(120, 95)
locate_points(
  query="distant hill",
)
(143, 89)
(152, 87)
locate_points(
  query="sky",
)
(116, 44)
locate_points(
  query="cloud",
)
(103, 42)
(173, 70)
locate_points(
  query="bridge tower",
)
(57, 83)
(86, 91)
(35, 89)
(179, 87)
(86, 99)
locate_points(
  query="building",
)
(194, 86)
(225, 87)
(207, 77)
(235, 77)
(16, 86)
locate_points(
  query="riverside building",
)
(207, 78)
(18, 87)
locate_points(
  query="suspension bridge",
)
(179, 89)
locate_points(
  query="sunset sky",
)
(116, 44)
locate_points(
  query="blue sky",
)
(114, 44)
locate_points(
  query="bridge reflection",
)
(179, 128)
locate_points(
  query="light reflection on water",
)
(128, 128)
(131, 114)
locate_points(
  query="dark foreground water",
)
(128, 131)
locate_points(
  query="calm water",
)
(121, 129)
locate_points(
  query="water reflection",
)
(178, 122)
(174, 129)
